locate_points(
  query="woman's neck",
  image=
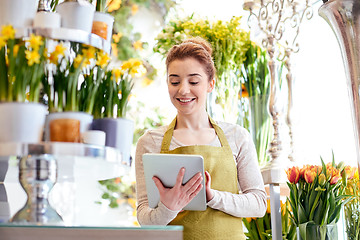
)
(193, 121)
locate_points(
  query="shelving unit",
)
(66, 34)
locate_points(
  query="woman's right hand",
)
(177, 197)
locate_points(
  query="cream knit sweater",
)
(251, 200)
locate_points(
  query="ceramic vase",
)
(103, 25)
(22, 122)
(119, 134)
(76, 14)
(18, 13)
(84, 120)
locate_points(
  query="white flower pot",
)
(22, 122)
(47, 20)
(84, 118)
(76, 15)
(18, 13)
(103, 20)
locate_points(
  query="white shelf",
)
(66, 34)
(76, 161)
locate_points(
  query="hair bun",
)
(200, 41)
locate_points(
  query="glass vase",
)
(316, 232)
(259, 124)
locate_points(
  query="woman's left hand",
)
(209, 191)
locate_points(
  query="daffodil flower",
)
(35, 42)
(32, 57)
(8, 32)
(114, 5)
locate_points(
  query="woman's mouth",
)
(185, 100)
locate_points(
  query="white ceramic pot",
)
(22, 122)
(108, 20)
(84, 118)
(76, 15)
(47, 20)
(18, 13)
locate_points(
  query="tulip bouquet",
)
(316, 198)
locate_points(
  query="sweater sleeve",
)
(160, 215)
(251, 201)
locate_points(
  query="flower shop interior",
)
(82, 80)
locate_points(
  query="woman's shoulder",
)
(155, 135)
(233, 129)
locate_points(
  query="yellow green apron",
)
(219, 162)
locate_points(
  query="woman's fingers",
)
(180, 177)
(158, 184)
(193, 183)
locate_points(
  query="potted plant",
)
(21, 70)
(316, 199)
(18, 13)
(111, 105)
(76, 14)
(66, 99)
(103, 22)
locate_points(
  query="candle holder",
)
(273, 19)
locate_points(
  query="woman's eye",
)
(174, 83)
(194, 83)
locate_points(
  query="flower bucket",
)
(18, 13)
(22, 122)
(315, 232)
(119, 134)
(103, 25)
(76, 15)
(84, 120)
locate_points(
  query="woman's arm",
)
(161, 215)
(251, 202)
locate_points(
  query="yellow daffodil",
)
(117, 37)
(8, 32)
(114, 5)
(16, 49)
(2, 42)
(103, 59)
(35, 42)
(89, 53)
(57, 53)
(114, 49)
(134, 9)
(117, 73)
(78, 61)
(126, 65)
(32, 57)
(138, 45)
(60, 49)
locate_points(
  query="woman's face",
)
(188, 85)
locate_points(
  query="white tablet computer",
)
(166, 167)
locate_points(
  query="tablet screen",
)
(166, 167)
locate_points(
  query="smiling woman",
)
(234, 186)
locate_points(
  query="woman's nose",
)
(184, 88)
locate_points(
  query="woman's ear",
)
(211, 85)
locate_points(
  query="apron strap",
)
(165, 145)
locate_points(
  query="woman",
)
(234, 186)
